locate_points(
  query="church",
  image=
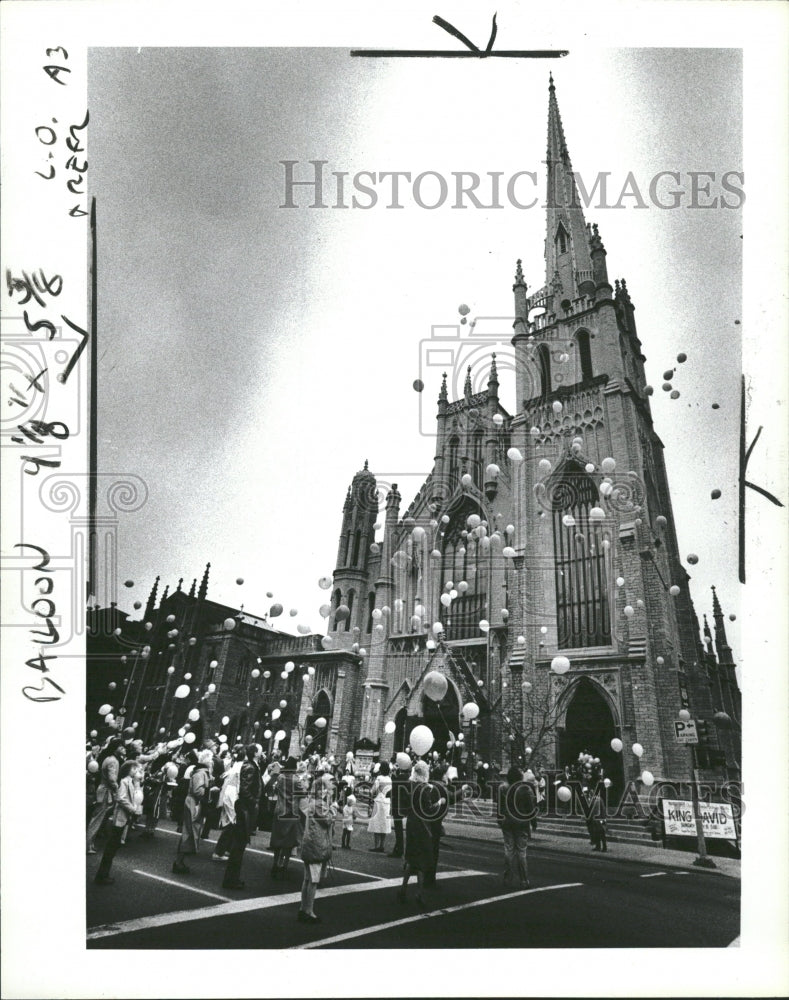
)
(537, 570)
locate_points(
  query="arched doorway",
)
(321, 709)
(402, 729)
(589, 727)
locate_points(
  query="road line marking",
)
(653, 875)
(257, 850)
(246, 906)
(182, 885)
(427, 916)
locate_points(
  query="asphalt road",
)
(594, 901)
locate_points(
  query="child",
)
(348, 816)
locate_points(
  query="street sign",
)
(685, 732)
(717, 819)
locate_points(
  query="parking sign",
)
(685, 732)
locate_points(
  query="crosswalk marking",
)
(181, 885)
(429, 915)
(247, 906)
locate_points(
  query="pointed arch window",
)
(454, 466)
(561, 239)
(584, 355)
(370, 609)
(582, 607)
(544, 363)
(357, 537)
(351, 598)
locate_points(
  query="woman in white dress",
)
(380, 818)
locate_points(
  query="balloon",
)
(189, 737)
(327, 642)
(105, 709)
(112, 685)
(514, 455)
(377, 614)
(230, 624)
(390, 727)
(732, 618)
(470, 711)
(648, 778)
(187, 677)
(240, 580)
(182, 691)
(466, 479)
(535, 432)
(568, 521)
(254, 674)
(311, 671)
(560, 664)
(148, 626)
(192, 641)
(170, 619)
(463, 309)
(661, 521)
(276, 714)
(684, 715)
(421, 739)
(293, 612)
(608, 465)
(342, 612)
(620, 581)
(616, 745)
(320, 723)
(526, 686)
(325, 610)
(484, 625)
(211, 688)
(403, 761)
(544, 465)
(638, 749)
(498, 420)
(438, 628)
(194, 715)
(508, 552)
(461, 737)
(93, 766)
(521, 640)
(629, 611)
(275, 610)
(418, 384)
(269, 594)
(716, 406)
(117, 631)
(673, 590)
(492, 471)
(649, 390)
(418, 533)
(596, 514)
(325, 582)
(435, 685)
(666, 387)
(589, 467)
(137, 605)
(556, 406)
(267, 734)
(682, 357)
(607, 782)
(223, 738)
(674, 395)
(692, 559)
(446, 600)
(564, 794)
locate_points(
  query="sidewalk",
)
(660, 857)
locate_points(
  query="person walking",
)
(106, 789)
(401, 779)
(348, 819)
(380, 795)
(228, 796)
(517, 806)
(199, 780)
(316, 845)
(422, 811)
(286, 830)
(127, 806)
(250, 789)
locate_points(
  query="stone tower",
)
(357, 560)
(601, 582)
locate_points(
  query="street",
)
(575, 901)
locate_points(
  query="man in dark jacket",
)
(247, 805)
(517, 806)
(401, 781)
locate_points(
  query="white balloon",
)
(105, 709)
(182, 691)
(194, 715)
(596, 514)
(563, 793)
(470, 711)
(684, 715)
(616, 744)
(320, 723)
(390, 727)
(189, 738)
(638, 750)
(560, 664)
(276, 714)
(648, 778)
(421, 739)
(608, 465)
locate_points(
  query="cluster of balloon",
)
(435, 685)
(421, 740)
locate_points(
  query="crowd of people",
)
(239, 789)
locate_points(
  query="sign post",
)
(687, 734)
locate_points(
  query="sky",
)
(253, 356)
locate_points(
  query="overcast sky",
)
(252, 357)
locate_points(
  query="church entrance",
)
(440, 717)
(589, 728)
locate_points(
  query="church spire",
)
(722, 647)
(204, 584)
(467, 384)
(193, 588)
(151, 600)
(568, 263)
